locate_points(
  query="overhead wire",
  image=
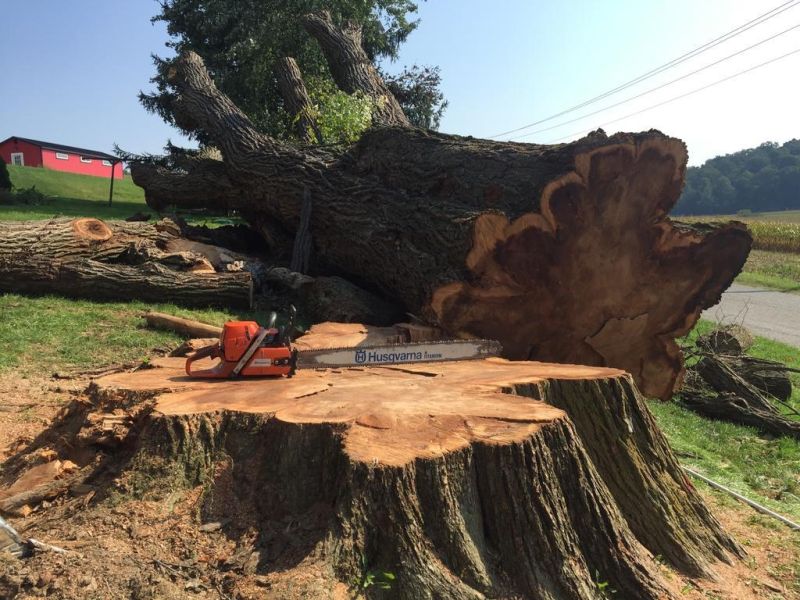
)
(663, 85)
(668, 65)
(695, 91)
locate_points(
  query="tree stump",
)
(464, 479)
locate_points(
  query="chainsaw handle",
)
(212, 351)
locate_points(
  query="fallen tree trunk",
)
(88, 258)
(562, 253)
(462, 479)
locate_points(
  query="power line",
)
(674, 62)
(700, 89)
(663, 85)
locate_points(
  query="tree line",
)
(766, 178)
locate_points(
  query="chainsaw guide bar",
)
(397, 354)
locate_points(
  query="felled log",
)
(563, 253)
(730, 407)
(715, 389)
(731, 340)
(722, 379)
(463, 479)
(88, 258)
(767, 376)
(187, 327)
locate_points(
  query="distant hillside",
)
(71, 185)
(760, 179)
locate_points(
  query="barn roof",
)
(62, 148)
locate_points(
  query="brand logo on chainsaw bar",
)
(362, 357)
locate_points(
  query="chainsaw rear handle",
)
(213, 351)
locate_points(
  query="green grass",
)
(72, 185)
(763, 468)
(40, 335)
(73, 195)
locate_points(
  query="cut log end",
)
(574, 281)
(93, 230)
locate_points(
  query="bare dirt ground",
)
(171, 545)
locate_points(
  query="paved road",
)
(774, 315)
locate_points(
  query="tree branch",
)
(295, 96)
(351, 68)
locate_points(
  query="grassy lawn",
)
(40, 335)
(72, 195)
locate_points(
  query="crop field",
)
(774, 261)
(772, 231)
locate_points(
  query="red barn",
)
(34, 153)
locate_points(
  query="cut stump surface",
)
(465, 479)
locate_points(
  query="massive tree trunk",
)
(563, 253)
(88, 258)
(464, 479)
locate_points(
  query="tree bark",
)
(767, 376)
(296, 100)
(88, 258)
(205, 183)
(452, 476)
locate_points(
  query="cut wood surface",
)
(464, 478)
(562, 252)
(89, 258)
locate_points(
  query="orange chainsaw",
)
(246, 349)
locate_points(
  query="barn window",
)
(85, 160)
(62, 155)
(18, 158)
(106, 163)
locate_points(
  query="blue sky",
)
(71, 70)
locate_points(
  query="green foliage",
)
(370, 578)
(417, 91)
(241, 40)
(341, 117)
(766, 178)
(5, 178)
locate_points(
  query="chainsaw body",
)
(248, 350)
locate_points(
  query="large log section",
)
(466, 480)
(563, 253)
(88, 258)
